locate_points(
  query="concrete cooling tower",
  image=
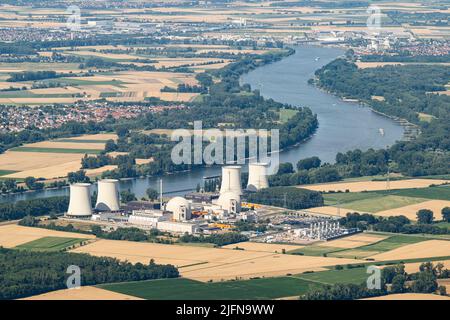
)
(80, 200)
(257, 176)
(108, 195)
(231, 179)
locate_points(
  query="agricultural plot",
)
(13, 235)
(185, 289)
(206, 264)
(53, 159)
(434, 193)
(263, 247)
(410, 296)
(422, 249)
(360, 186)
(330, 277)
(411, 211)
(50, 244)
(83, 293)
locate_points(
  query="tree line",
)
(26, 273)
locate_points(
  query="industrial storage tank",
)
(180, 208)
(231, 179)
(80, 200)
(108, 195)
(230, 201)
(257, 176)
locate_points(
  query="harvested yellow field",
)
(270, 265)
(410, 296)
(414, 267)
(99, 136)
(21, 161)
(203, 264)
(360, 186)
(66, 145)
(365, 65)
(411, 211)
(354, 241)
(13, 235)
(425, 249)
(49, 172)
(262, 247)
(99, 171)
(83, 293)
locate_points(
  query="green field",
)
(393, 242)
(50, 244)
(6, 172)
(377, 204)
(56, 150)
(354, 275)
(348, 197)
(287, 114)
(434, 193)
(185, 289)
(313, 250)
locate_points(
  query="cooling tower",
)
(231, 179)
(108, 195)
(257, 176)
(80, 200)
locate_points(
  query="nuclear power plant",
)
(80, 201)
(257, 176)
(108, 195)
(215, 211)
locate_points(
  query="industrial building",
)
(179, 215)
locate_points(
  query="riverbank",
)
(342, 126)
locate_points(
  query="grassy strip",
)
(50, 244)
(6, 172)
(56, 150)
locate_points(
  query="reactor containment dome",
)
(80, 201)
(180, 208)
(108, 195)
(230, 201)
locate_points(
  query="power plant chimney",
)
(80, 200)
(108, 195)
(231, 180)
(257, 176)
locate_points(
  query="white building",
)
(180, 208)
(178, 227)
(230, 201)
(148, 218)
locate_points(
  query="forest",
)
(287, 197)
(407, 91)
(26, 273)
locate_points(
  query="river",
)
(343, 125)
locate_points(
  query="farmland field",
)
(354, 275)
(181, 289)
(55, 150)
(50, 244)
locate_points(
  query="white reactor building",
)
(108, 195)
(231, 180)
(80, 201)
(257, 176)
